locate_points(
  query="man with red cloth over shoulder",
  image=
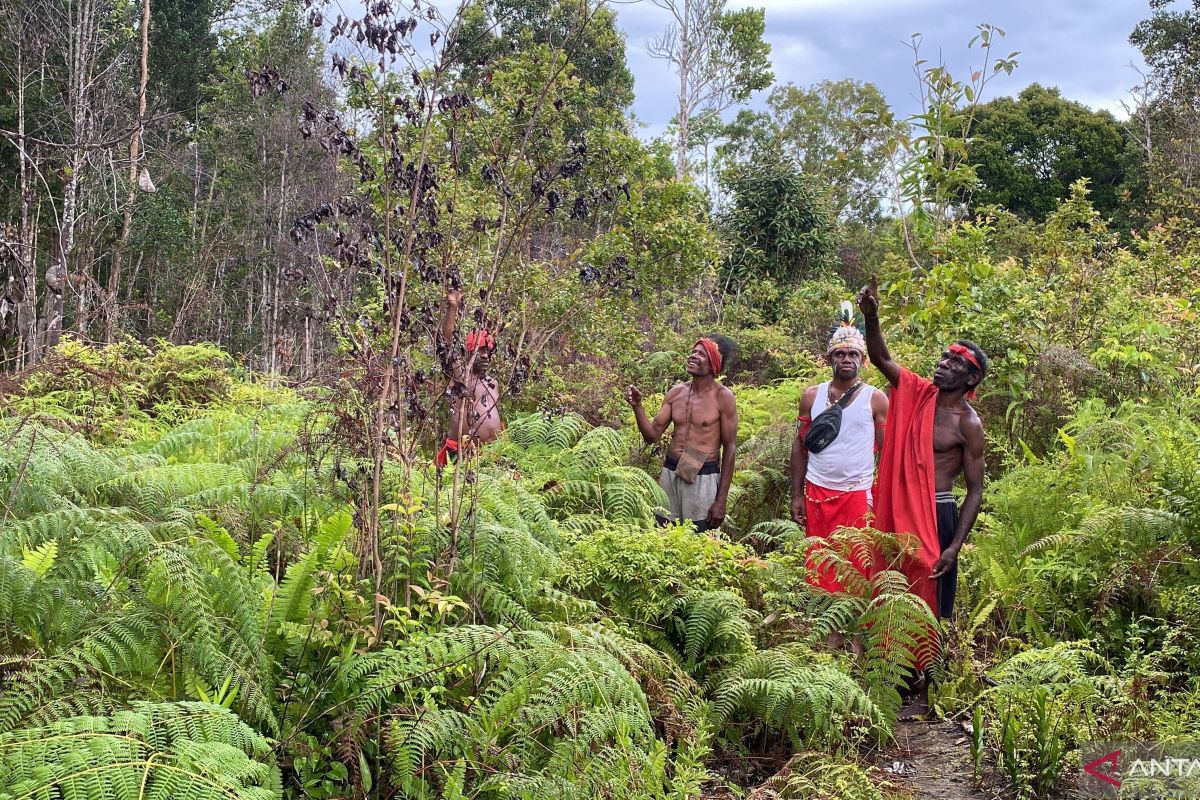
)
(933, 436)
(474, 395)
(832, 488)
(698, 466)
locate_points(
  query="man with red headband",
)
(474, 395)
(832, 488)
(698, 466)
(933, 437)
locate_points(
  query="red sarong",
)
(905, 490)
(827, 510)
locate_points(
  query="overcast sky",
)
(1080, 46)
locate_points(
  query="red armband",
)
(450, 448)
(804, 422)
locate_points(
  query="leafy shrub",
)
(638, 572)
(191, 751)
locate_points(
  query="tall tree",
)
(834, 130)
(183, 45)
(135, 143)
(778, 221)
(1028, 151)
(67, 81)
(719, 57)
(588, 32)
(1170, 110)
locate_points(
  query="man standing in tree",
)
(699, 463)
(933, 436)
(832, 488)
(474, 395)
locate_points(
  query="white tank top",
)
(848, 464)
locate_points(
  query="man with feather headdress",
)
(832, 488)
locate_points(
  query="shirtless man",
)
(474, 395)
(704, 414)
(929, 417)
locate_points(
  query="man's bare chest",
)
(485, 391)
(947, 434)
(697, 413)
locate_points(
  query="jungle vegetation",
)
(229, 568)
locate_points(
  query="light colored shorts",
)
(689, 500)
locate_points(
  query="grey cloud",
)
(1081, 46)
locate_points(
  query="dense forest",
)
(233, 237)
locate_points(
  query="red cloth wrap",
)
(713, 353)
(803, 423)
(478, 339)
(443, 455)
(905, 490)
(826, 510)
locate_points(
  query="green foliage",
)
(792, 691)
(1041, 703)
(127, 391)
(828, 130)
(936, 175)
(1166, 121)
(1027, 152)
(779, 225)
(595, 47)
(813, 775)
(182, 42)
(192, 751)
(742, 52)
(895, 629)
(638, 572)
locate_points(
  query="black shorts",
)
(947, 525)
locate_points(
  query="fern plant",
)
(166, 751)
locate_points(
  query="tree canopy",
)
(1028, 150)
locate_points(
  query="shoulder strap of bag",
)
(848, 397)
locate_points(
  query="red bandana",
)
(965, 352)
(478, 339)
(713, 353)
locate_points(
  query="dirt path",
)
(932, 759)
(929, 760)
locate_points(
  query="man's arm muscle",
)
(879, 412)
(799, 461)
(727, 407)
(652, 428)
(972, 430)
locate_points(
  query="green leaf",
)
(40, 560)
(364, 771)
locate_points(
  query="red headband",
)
(713, 353)
(477, 339)
(969, 357)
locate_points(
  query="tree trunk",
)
(685, 65)
(81, 42)
(26, 278)
(114, 274)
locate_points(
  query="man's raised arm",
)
(450, 319)
(868, 303)
(651, 429)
